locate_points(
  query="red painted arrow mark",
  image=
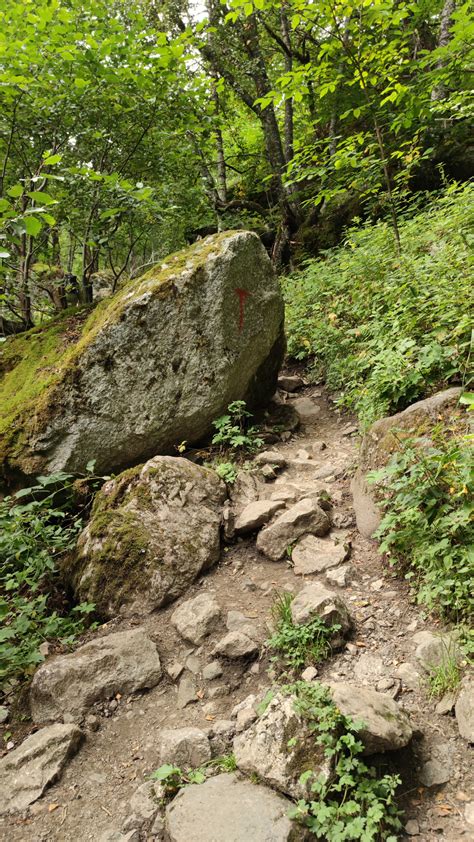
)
(243, 294)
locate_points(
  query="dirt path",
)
(93, 793)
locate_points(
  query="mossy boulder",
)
(149, 367)
(384, 438)
(152, 531)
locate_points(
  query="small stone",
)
(245, 718)
(385, 684)
(187, 748)
(307, 410)
(434, 649)
(315, 555)
(212, 671)
(268, 473)
(446, 704)
(438, 769)
(195, 618)
(314, 600)
(256, 514)
(412, 828)
(236, 645)
(309, 674)
(193, 664)
(218, 692)
(290, 382)
(249, 702)
(186, 692)
(113, 705)
(369, 669)
(44, 649)
(302, 518)
(271, 457)
(409, 675)
(92, 722)
(386, 726)
(303, 454)
(174, 670)
(465, 710)
(4, 714)
(340, 576)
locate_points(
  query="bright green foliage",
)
(298, 645)
(234, 432)
(355, 802)
(37, 527)
(173, 778)
(385, 329)
(227, 471)
(446, 677)
(428, 528)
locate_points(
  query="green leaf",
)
(43, 198)
(33, 225)
(16, 191)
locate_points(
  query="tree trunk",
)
(439, 92)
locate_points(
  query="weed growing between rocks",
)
(353, 803)
(428, 527)
(173, 778)
(38, 526)
(299, 645)
(234, 432)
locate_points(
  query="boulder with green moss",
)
(384, 438)
(150, 367)
(153, 530)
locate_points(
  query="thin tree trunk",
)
(439, 92)
(288, 55)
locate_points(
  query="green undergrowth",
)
(385, 330)
(356, 801)
(295, 645)
(38, 527)
(427, 531)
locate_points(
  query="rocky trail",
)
(214, 668)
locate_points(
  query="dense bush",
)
(37, 527)
(428, 528)
(385, 329)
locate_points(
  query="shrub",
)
(37, 527)
(428, 527)
(298, 645)
(385, 329)
(355, 802)
(235, 432)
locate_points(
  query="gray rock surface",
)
(305, 517)
(183, 747)
(438, 768)
(186, 692)
(226, 809)
(195, 618)
(340, 576)
(315, 555)
(379, 444)
(290, 382)
(69, 684)
(256, 515)
(308, 410)
(235, 645)
(133, 389)
(465, 710)
(153, 530)
(386, 726)
(143, 806)
(263, 748)
(315, 600)
(28, 770)
(434, 649)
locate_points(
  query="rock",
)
(369, 669)
(409, 675)
(235, 645)
(244, 719)
(307, 410)
(438, 769)
(174, 670)
(465, 710)
(123, 662)
(195, 618)
(412, 828)
(286, 494)
(264, 749)
(129, 388)
(315, 555)
(432, 650)
(220, 736)
(256, 515)
(314, 600)
(153, 530)
(446, 703)
(386, 727)
(186, 692)
(246, 489)
(340, 576)
(27, 771)
(212, 671)
(116, 836)
(302, 518)
(469, 813)
(271, 457)
(237, 810)
(268, 473)
(309, 674)
(290, 382)
(236, 621)
(193, 664)
(379, 444)
(4, 714)
(183, 747)
(143, 806)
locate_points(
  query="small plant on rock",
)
(234, 430)
(298, 645)
(227, 471)
(354, 803)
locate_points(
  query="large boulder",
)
(153, 530)
(383, 440)
(35, 764)
(279, 746)
(68, 684)
(151, 366)
(226, 809)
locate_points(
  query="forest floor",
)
(93, 793)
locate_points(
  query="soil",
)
(93, 793)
